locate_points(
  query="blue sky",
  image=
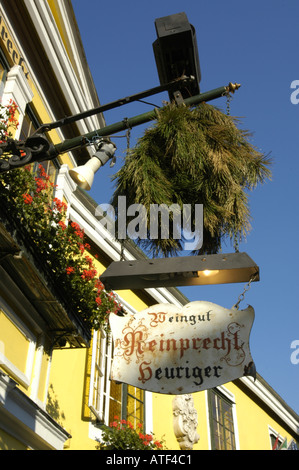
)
(255, 44)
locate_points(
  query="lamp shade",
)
(84, 175)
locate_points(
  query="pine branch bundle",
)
(194, 156)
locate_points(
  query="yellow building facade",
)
(55, 387)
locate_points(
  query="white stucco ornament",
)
(185, 421)
(172, 350)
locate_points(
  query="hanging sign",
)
(169, 350)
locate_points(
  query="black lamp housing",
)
(176, 53)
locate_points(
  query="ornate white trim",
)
(185, 421)
(17, 89)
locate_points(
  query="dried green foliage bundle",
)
(194, 156)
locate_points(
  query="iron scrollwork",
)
(17, 153)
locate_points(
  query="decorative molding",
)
(185, 421)
(41, 15)
(18, 90)
(26, 421)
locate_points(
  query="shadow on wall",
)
(53, 407)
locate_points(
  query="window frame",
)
(273, 435)
(100, 389)
(228, 398)
(135, 400)
(101, 386)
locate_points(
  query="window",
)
(108, 398)
(30, 123)
(3, 72)
(275, 440)
(221, 421)
(105, 395)
(17, 352)
(135, 405)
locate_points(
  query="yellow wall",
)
(68, 395)
(254, 422)
(7, 442)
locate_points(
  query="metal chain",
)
(236, 243)
(122, 256)
(128, 133)
(128, 139)
(228, 100)
(246, 289)
(128, 136)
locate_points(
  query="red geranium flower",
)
(60, 205)
(62, 224)
(27, 198)
(70, 270)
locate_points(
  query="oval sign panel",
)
(169, 350)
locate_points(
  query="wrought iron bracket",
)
(179, 82)
(17, 153)
(37, 148)
(60, 338)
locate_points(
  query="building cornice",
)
(57, 56)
